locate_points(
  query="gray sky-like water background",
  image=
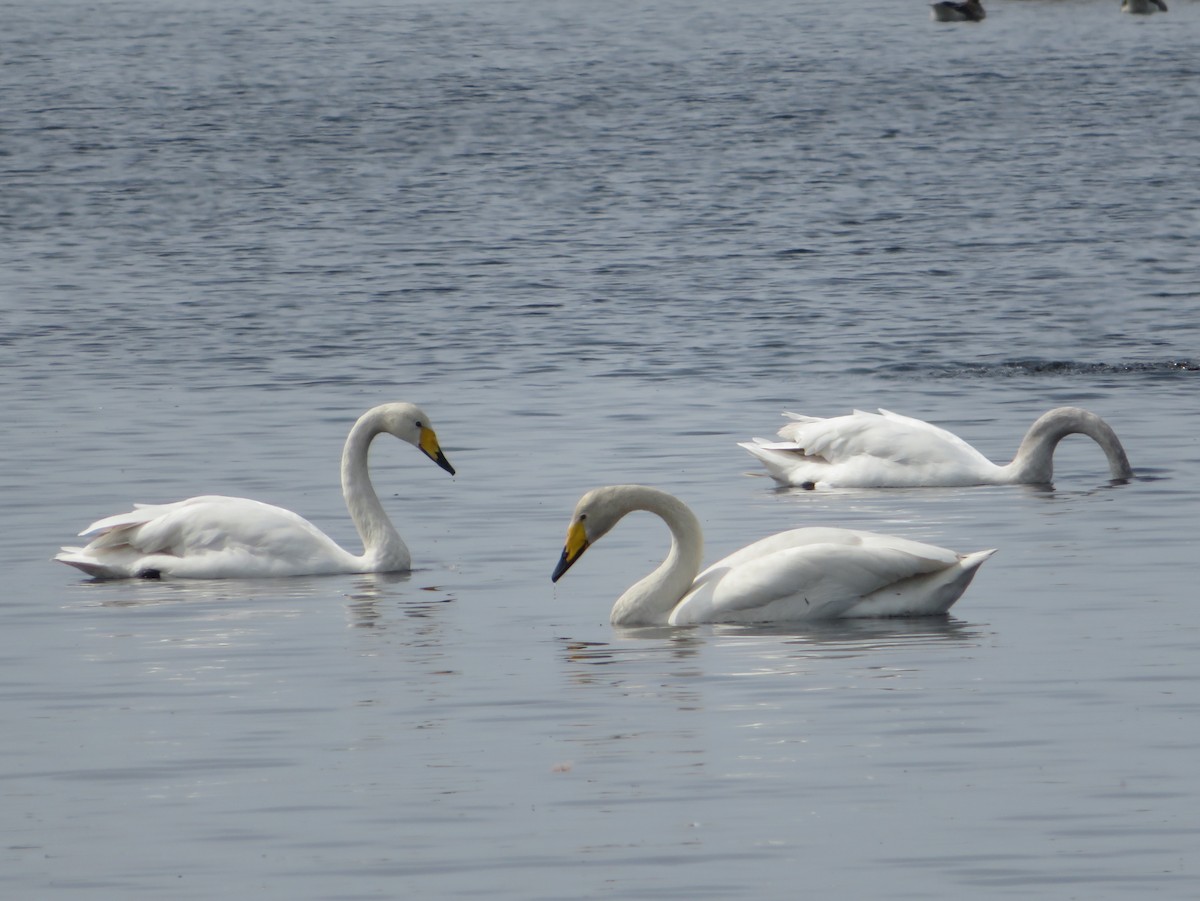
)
(597, 243)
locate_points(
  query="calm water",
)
(598, 243)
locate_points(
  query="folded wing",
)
(808, 574)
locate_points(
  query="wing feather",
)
(864, 449)
(805, 574)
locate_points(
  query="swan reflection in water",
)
(843, 638)
(372, 600)
(373, 597)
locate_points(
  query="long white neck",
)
(650, 601)
(1034, 462)
(382, 544)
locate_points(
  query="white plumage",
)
(802, 574)
(887, 450)
(215, 537)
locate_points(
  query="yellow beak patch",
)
(428, 443)
(577, 543)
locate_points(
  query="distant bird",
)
(972, 10)
(886, 450)
(1143, 7)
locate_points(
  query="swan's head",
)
(595, 514)
(408, 422)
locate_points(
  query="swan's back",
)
(210, 536)
(815, 573)
(883, 435)
(869, 450)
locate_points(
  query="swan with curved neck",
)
(886, 450)
(802, 574)
(215, 537)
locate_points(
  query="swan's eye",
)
(419, 424)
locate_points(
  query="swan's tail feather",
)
(78, 558)
(959, 579)
(975, 559)
(788, 463)
(767, 444)
(778, 461)
(932, 594)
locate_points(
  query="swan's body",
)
(214, 537)
(1143, 7)
(949, 11)
(886, 450)
(804, 574)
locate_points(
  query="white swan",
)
(886, 450)
(213, 537)
(1143, 7)
(949, 11)
(804, 574)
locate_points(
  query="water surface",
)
(597, 245)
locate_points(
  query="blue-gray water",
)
(598, 243)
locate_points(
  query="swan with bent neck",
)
(803, 574)
(215, 537)
(887, 450)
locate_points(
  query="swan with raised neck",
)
(214, 537)
(383, 548)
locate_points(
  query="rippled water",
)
(598, 243)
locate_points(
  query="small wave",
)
(1010, 368)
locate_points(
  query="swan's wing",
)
(828, 535)
(869, 450)
(927, 595)
(930, 431)
(195, 522)
(139, 515)
(812, 447)
(208, 536)
(883, 435)
(805, 574)
(210, 523)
